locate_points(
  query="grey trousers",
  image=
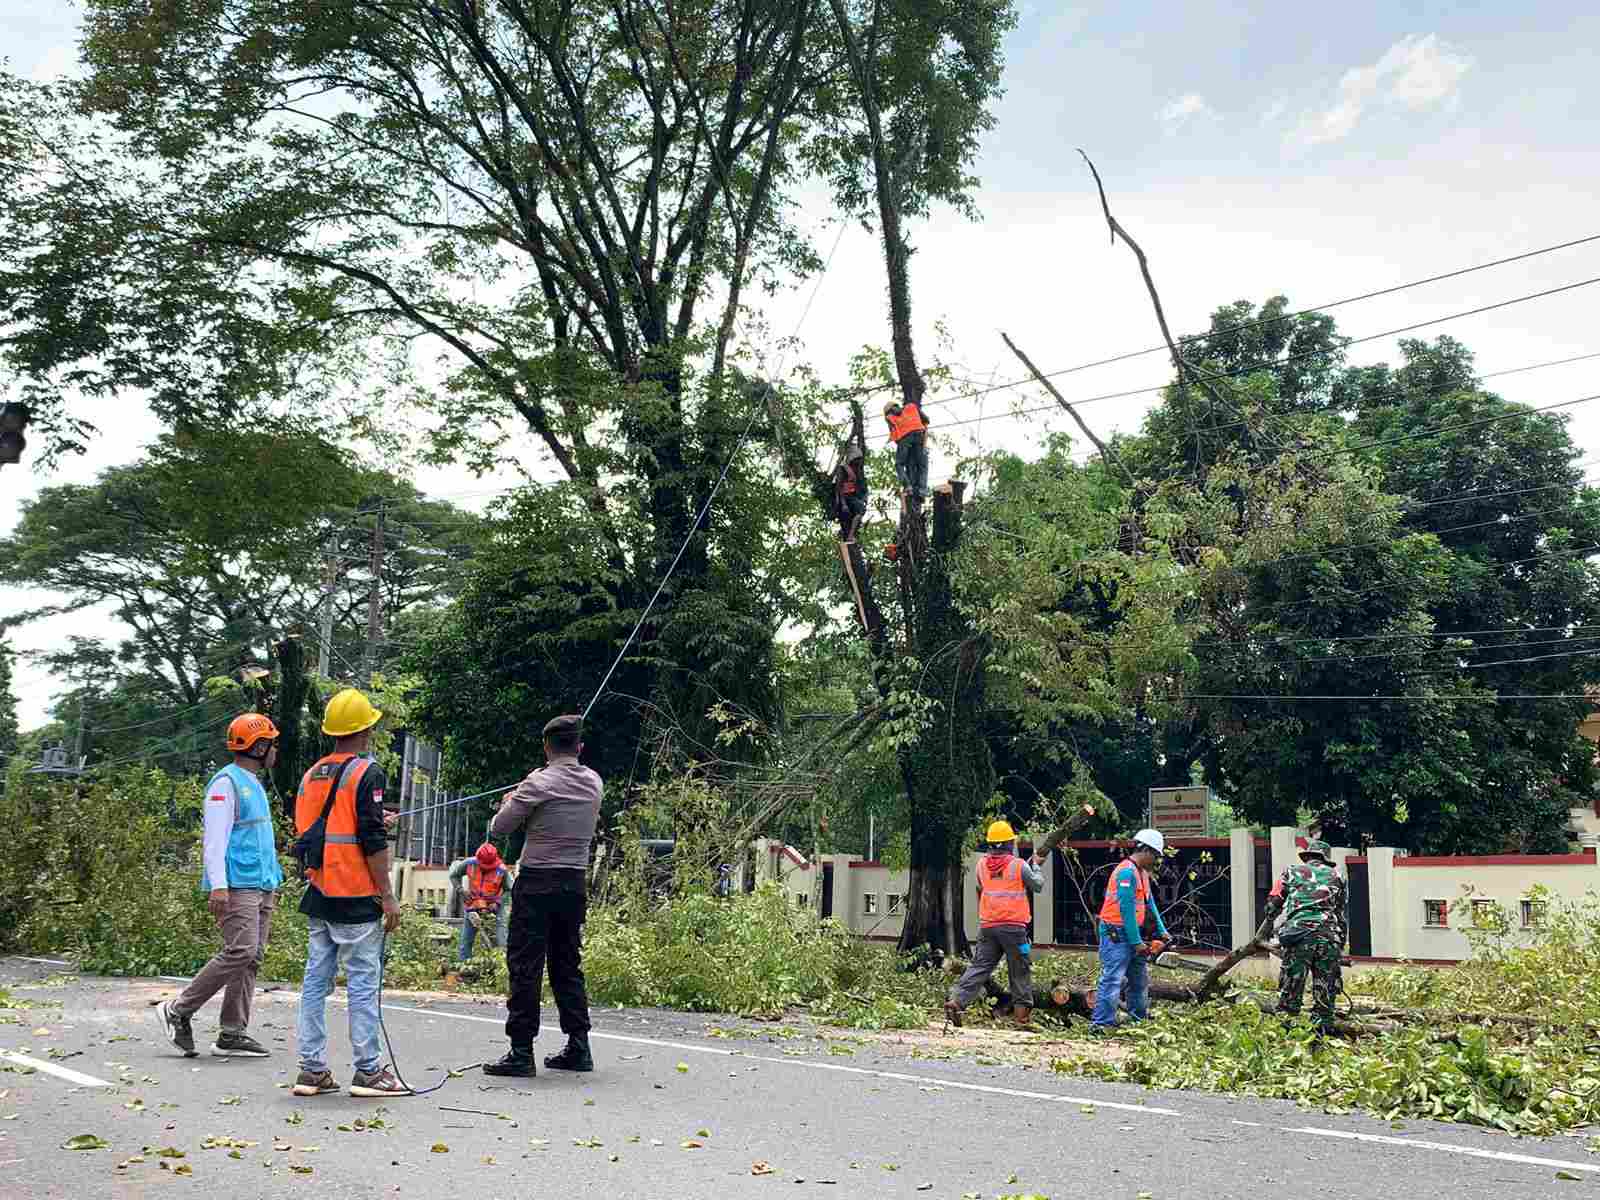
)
(996, 942)
(232, 971)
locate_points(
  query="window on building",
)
(894, 903)
(1533, 913)
(1436, 914)
(869, 904)
(1485, 914)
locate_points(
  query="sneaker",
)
(238, 1045)
(315, 1083)
(575, 1057)
(177, 1029)
(381, 1082)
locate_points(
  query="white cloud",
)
(1415, 73)
(1175, 114)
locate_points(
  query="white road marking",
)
(987, 1089)
(1252, 1124)
(50, 1068)
(1448, 1148)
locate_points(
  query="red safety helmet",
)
(488, 856)
(245, 730)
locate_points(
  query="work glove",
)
(1155, 947)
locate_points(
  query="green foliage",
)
(1525, 1080)
(8, 708)
(1541, 1088)
(209, 549)
(755, 955)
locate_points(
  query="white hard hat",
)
(1151, 838)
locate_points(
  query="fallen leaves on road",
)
(85, 1141)
(439, 1148)
(760, 1167)
(683, 1068)
(591, 1143)
(295, 1118)
(231, 1100)
(1568, 1175)
(128, 1162)
(300, 1168)
(692, 1144)
(702, 1133)
(218, 1142)
(182, 1168)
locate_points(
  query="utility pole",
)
(330, 572)
(77, 742)
(374, 609)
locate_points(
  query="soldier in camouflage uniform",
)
(1312, 898)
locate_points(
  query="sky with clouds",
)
(1251, 148)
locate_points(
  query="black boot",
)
(575, 1057)
(518, 1061)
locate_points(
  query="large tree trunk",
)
(287, 710)
(948, 772)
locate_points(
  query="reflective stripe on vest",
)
(1004, 898)
(908, 420)
(485, 886)
(344, 871)
(1111, 910)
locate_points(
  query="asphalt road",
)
(830, 1116)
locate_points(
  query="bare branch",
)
(1111, 460)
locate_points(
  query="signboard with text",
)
(1181, 812)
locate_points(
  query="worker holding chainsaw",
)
(1003, 881)
(1131, 933)
(1312, 899)
(485, 885)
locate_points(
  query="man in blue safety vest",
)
(241, 876)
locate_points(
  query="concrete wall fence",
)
(1402, 908)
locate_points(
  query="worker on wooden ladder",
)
(850, 492)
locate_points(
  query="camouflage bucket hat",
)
(1316, 846)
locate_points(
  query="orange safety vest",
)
(1111, 911)
(485, 886)
(908, 420)
(1002, 896)
(344, 871)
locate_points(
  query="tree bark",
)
(287, 709)
(948, 772)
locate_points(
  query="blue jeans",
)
(1118, 962)
(362, 949)
(469, 934)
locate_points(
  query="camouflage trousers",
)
(1318, 956)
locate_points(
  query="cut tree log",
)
(1213, 978)
(1075, 820)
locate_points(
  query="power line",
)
(1189, 339)
(1249, 369)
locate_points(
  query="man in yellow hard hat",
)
(349, 902)
(240, 876)
(1003, 882)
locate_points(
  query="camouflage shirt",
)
(1312, 897)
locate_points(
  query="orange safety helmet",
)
(245, 730)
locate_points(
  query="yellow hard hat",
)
(1001, 831)
(349, 712)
